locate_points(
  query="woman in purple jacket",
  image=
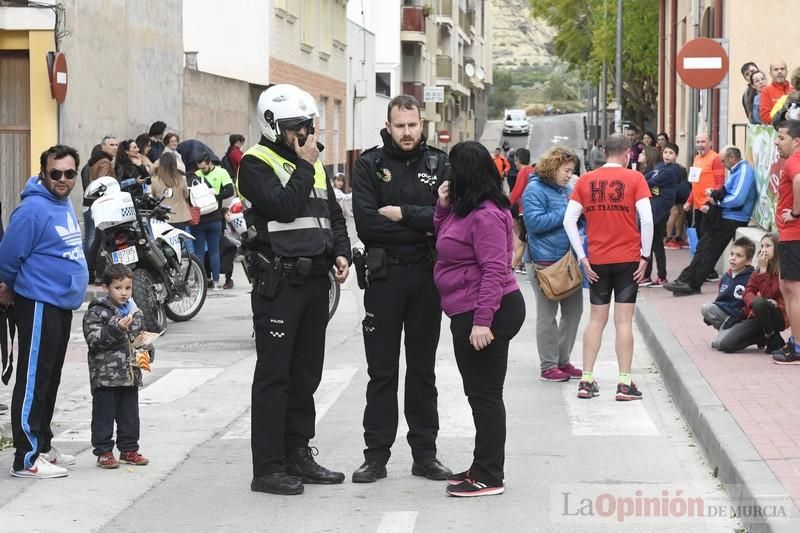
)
(479, 292)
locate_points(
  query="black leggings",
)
(767, 321)
(484, 373)
(659, 231)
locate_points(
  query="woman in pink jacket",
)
(479, 292)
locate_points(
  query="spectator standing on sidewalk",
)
(130, 169)
(233, 155)
(110, 326)
(732, 206)
(145, 148)
(663, 183)
(610, 198)
(501, 162)
(156, 133)
(523, 161)
(774, 91)
(787, 218)
(707, 172)
(634, 137)
(475, 244)
(101, 163)
(171, 141)
(169, 177)
(43, 273)
(750, 92)
(758, 81)
(545, 203)
(764, 306)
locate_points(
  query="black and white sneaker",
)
(470, 488)
(626, 393)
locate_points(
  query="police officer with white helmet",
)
(300, 235)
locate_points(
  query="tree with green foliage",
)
(503, 95)
(586, 31)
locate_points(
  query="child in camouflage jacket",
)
(110, 325)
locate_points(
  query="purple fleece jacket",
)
(473, 271)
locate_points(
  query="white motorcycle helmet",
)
(285, 106)
(102, 186)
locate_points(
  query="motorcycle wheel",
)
(334, 293)
(186, 306)
(146, 297)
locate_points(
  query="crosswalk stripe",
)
(334, 381)
(603, 416)
(397, 522)
(176, 384)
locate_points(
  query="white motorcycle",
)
(168, 281)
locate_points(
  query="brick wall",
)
(318, 86)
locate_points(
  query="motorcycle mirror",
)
(168, 193)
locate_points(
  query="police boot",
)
(300, 462)
(432, 469)
(277, 483)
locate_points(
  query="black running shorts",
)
(790, 260)
(616, 278)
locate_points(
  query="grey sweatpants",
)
(555, 340)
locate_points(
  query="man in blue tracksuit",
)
(43, 273)
(736, 200)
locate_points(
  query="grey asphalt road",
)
(545, 132)
(593, 466)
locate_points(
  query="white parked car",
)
(516, 122)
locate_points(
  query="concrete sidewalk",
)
(739, 406)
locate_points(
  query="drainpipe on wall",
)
(673, 76)
(662, 45)
(694, 99)
(715, 98)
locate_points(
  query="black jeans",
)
(658, 254)
(483, 374)
(43, 331)
(767, 321)
(698, 222)
(713, 242)
(407, 301)
(120, 405)
(290, 348)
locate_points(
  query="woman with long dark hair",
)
(479, 292)
(169, 177)
(145, 145)
(129, 167)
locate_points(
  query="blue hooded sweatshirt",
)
(41, 256)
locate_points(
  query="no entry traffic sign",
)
(702, 63)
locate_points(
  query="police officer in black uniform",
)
(301, 233)
(394, 193)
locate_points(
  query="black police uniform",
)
(290, 311)
(406, 299)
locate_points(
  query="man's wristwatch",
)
(644, 258)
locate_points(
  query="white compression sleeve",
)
(646, 223)
(573, 213)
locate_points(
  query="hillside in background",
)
(518, 39)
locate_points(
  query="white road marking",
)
(603, 415)
(334, 382)
(559, 138)
(397, 522)
(90, 497)
(702, 63)
(177, 384)
(455, 414)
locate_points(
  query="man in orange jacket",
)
(707, 172)
(502, 164)
(773, 92)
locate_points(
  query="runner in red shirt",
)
(787, 218)
(610, 198)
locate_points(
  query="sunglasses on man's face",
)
(56, 175)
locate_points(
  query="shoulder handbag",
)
(202, 197)
(561, 279)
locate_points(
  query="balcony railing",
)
(413, 19)
(415, 89)
(444, 67)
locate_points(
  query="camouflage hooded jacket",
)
(111, 354)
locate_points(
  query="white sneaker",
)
(56, 457)
(41, 469)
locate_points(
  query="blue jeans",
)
(208, 234)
